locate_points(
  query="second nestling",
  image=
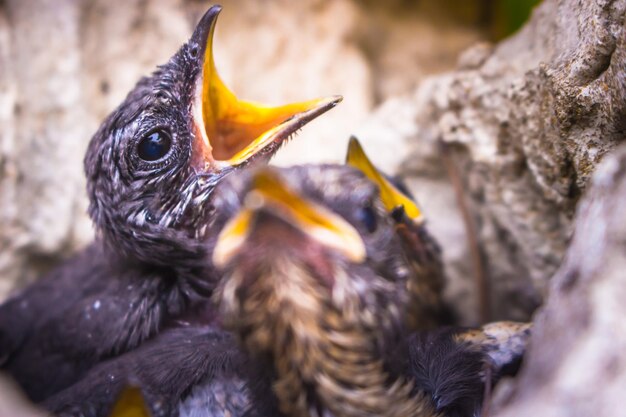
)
(315, 286)
(151, 168)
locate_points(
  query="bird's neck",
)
(324, 362)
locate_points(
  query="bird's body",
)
(422, 250)
(87, 311)
(313, 286)
(200, 371)
(185, 371)
(331, 323)
(151, 168)
(306, 350)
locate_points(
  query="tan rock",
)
(528, 120)
(576, 362)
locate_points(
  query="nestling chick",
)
(422, 250)
(451, 364)
(151, 169)
(315, 285)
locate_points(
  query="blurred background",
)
(65, 64)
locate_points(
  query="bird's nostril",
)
(161, 96)
(193, 51)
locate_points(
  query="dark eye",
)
(154, 146)
(367, 217)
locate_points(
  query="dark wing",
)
(22, 313)
(190, 371)
(452, 364)
(23, 316)
(89, 309)
(451, 373)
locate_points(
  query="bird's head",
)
(397, 202)
(314, 285)
(310, 244)
(421, 249)
(155, 160)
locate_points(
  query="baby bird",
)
(316, 287)
(151, 170)
(333, 352)
(422, 250)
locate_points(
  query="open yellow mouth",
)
(271, 194)
(231, 131)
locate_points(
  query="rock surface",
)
(576, 365)
(525, 122)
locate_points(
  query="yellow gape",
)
(389, 194)
(233, 129)
(270, 193)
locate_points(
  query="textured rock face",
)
(525, 121)
(576, 365)
(65, 64)
(36, 166)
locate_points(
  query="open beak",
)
(391, 197)
(229, 131)
(271, 195)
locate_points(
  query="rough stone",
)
(576, 365)
(526, 121)
(42, 137)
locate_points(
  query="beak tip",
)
(326, 103)
(214, 10)
(322, 105)
(355, 150)
(205, 25)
